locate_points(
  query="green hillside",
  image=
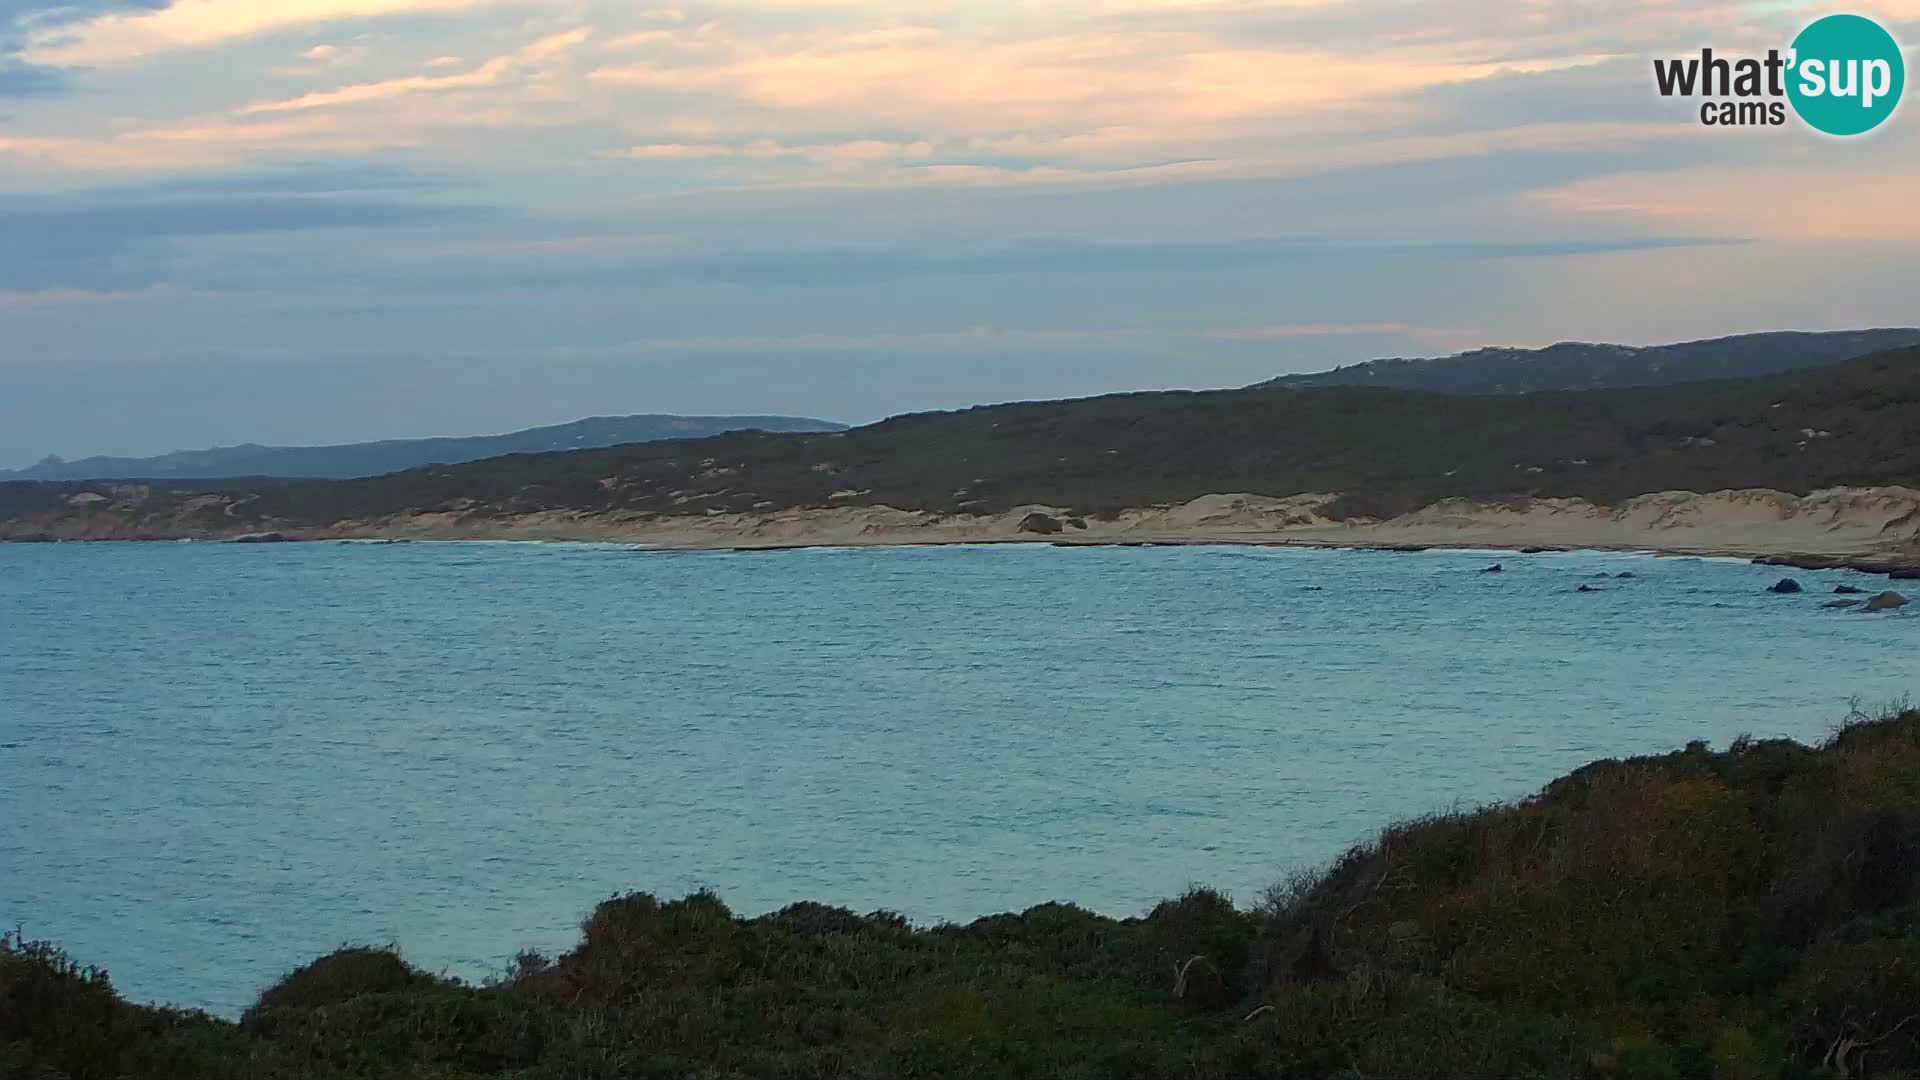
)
(1579, 365)
(1857, 423)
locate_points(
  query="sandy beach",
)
(1869, 528)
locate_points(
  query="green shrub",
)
(1746, 915)
(343, 976)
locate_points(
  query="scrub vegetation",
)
(1387, 451)
(1579, 365)
(1747, 913)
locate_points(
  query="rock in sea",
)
(1886, 601)
(1784, 585)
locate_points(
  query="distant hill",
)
(351, 460)
(1575, 365)
(1388, 451)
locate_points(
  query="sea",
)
(219, 761)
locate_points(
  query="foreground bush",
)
(1753, 913)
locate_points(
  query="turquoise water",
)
(219, 761)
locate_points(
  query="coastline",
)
(1876, 530)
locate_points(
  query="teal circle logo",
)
(1847, 74)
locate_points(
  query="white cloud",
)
(18, 300)
(132, 36)
(494, 72)
(325, 57)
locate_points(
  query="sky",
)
(305, 221)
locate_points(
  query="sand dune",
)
(1862, 525)
(1867, 527)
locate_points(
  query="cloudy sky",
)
(324, 220)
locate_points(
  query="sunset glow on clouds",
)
(854, 208)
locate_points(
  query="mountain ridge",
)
(1384, 452)
(347, 461)
(1584, 365)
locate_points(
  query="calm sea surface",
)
(218, 761)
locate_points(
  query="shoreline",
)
(1871, 530)
(1894, 566)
